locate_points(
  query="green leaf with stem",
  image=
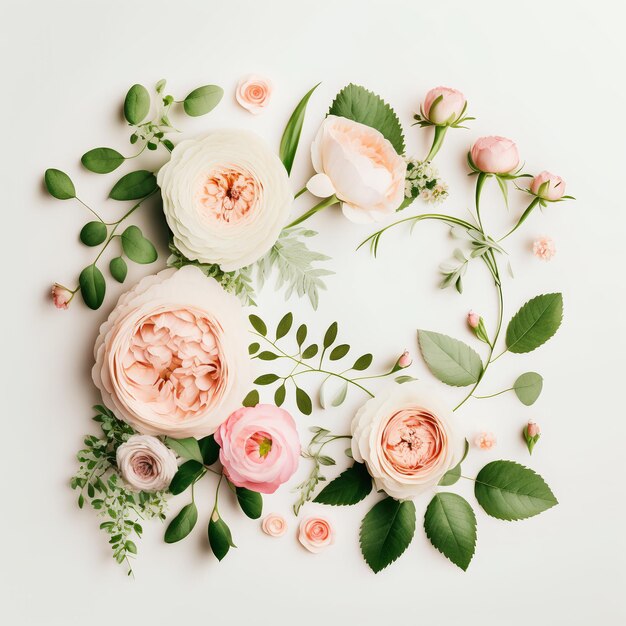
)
(92, 286)
(535, 323)
(251, 502)
(118, 269)
(93, 233)
(136, 247)
(209, 449)
(136, 105)
(102, 160)
(452, 475)
(350, 487)
(528, 387)
(187, 448)
(182, 524)
(188, 473)
(202, 100)
(134, 186)
(59, 184)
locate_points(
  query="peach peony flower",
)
(447, 110)
(146, 464)
(315, 534)
(357, 164)
(61, 296)
(544, 248)
(485, 441)
(172, 357)
(253, 93)
(406, 438)
(495, 155)
(260, 447)
(274, 525)
(552, 191)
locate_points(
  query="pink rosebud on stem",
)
(473, 319)
(61, 296)
(531, 433)
(548, 186)
(494, 155)
(405, 359)
(443, 106)
(477, 324)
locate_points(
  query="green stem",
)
(522, 219)
(493, 395)
(300, 193)
(312, 211)
(440, 133)
(482, 177)
(89, 209)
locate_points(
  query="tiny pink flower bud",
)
(548, 186)
(485, 441)
(61, 296)
(544, 248)
(405, 359)
(533, 429)
(473, 319)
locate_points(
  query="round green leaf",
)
(102, 160)
(339, 352)
(535, 323)
(251, 502)
(134, 186)
(252, 399)
(93, 233)
(528, 387)
(92, 286)
(182, 524)
(303, 401)
(136, 247)
(284, 326)
(202, 100)
(253, 348)
(348, 488)
(118, 269)
(59, 184)
(136, 104)
(258, 324)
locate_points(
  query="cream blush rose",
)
(254, 93)
(315, 534)
(146, 464)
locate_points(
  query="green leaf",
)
(301, 334)
(386, 532)
(528, 387)
(341, 396)
(118, 269)
(535, 323)
(136, 104)
(102, 160)
(187, 448)
(453, 475)
(258, 324)
(404, 379)
(291, 135)
(92, 286)
(348, 488)
(134, 186)
(510, 491)
(358, 104)
(330, 335)
(202, 100)
(93, 233)
(339, 352)
(59, 184)
(136, 247)
(284, 326)
(187, 474)
(251, 502)
(450, 360)
(253, 348)
(182, 524)
(220, 539)
(209, 449)
(266, 355)
(310, 352)
(252, 399)
(266, 379)
(279, 395)
(303, 401)
(450, 524)
(363, 362)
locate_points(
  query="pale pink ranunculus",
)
(485, 441)
(315, 534)
(544, 248)
(61, 296)
(406, 437)
(473, 319)
(172, 357)
(357, 164)
(495, 155)
(447, 110)
(259, 447)
(552, 191)
(274, 525)
(254, 93)
(145, 463)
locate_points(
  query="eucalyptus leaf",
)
(202, 100)
(59, 184)
(136, 247)
(535, 323)
(350, 487)
(92, 286)
(136, 104)
(182, 524)
(93, 233)
(134, 186)
(528, 387)
(220, 538)
(251, 502)
(187, 474)
(102, 160)
(118, 269)
(187, 448)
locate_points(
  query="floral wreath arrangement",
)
(181, 399)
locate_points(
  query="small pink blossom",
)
(253, 93)
(405, 359)
(315, 534)
(449, 107)
(485, 441)
(473, 319)
(495, 155)
(552, 191)
(61, 296)
(274, 525)
(544, 248)
(533, 429)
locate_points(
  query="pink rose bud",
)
(473, 319)
(61, 296)
(533, 429)
(405, 359)
(544, 248)
(548, 186)
(531, 433)
(448, 108)
(495, 155)
(253, 93)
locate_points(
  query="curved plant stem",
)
(493, 395)
(440, 133)
(312, 211)
(300, 193)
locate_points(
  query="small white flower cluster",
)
(422, 179)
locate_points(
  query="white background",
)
(547, 74)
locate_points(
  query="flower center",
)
(258, 446)
(228, 195)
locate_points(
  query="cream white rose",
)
(146, 464)
(172, 358)
(226, 197)
(357, 164)
(407, 439)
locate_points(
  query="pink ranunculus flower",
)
(447, 110)
(485, 441)
(544, 248)
(495, 155)
(260, 447)
(407, 438)
(554, 189)
(254, 93)
(61, 296)
(172, 357)
(357, 164)
(274, 525)
(315, 534)
(146, 464)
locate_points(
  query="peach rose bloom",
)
(485, 441)
(315, 534)
(447, 110)
(406, 437)
(495, 155)
(274, 525)
(553, 191)
(254, 93)
(61, 296)
(172, 357)
(544, 248)
(357, 164)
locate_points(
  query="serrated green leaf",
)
(303, 401)
(59, 184)
(450, 360)
(220, 539)
(350, 487)
(338, 352)
(134, 186)
(284, 326)
(202, 100)
(528, 387)
(136, 104)
(363, 362)
(136, 247)
(450, 524)
(187, 448)
(330, 335)
(102, 160)
(535, 323)
(386, 532)
(92, 286)
(510, 491)
(251, 502)
(118, 269)
(252, 399)
(93, 233)
(258, 324)
(209, 449)
(187, 474)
